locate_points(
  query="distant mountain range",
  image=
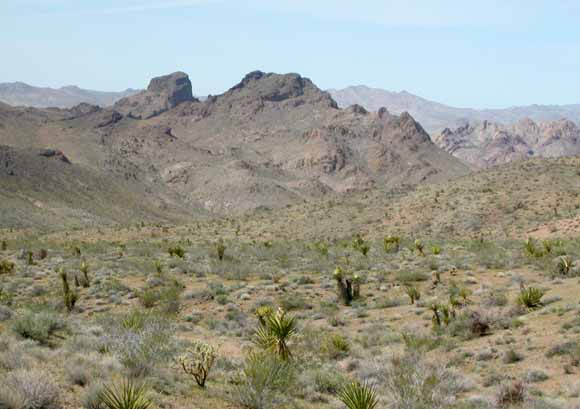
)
(21, 94)
(435, 117)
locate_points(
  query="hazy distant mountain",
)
(486, 143)
(435, 116)
(21, 94)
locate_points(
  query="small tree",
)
(198, 361)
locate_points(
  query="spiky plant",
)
(84, 269)
(198, 361)
(563, 265)
(531, 298)
(464, 294)
(413, 293)
(420, 247)
(220, 249)
(127, 395)
(275, 334)
(391, 244)
(360, 245)
(358, 395)
(436, 250)
(263, 312)
(436, 319)
(70, 297)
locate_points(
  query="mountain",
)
(269, 141)
(436, 117)
(21, 94)
(487, 144)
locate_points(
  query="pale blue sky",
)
(491, 53)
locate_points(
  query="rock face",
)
(162, 94)
(487, 144)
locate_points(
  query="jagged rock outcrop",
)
(162, 94)
(487, 144)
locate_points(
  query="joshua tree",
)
(344, 286)
(413, 293)
(70, 297)
(419, 246)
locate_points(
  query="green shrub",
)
(336, 346)
(530, 298)
(413, 293)
(70, 297)
(391, 244)
(220, 249)
(6, 267)
(29, 389)
(176, 251)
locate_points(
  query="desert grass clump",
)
(275, 334)
(530, 298)
(197, 361)
(127, 395)
(70, 297)
(356, 395)
(6, 267)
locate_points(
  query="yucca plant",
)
(125, 396)
(84, 268)
(531, 298)
(263, 312)
(198, 361)
(391, 244)
(359, 396)
(420, 247)
(275, 334)
(563, 265)
(413, 293)
(360, 245)
(464, 294)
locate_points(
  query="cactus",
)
(198, 361)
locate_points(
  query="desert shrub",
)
(358, 395)
(335, 346)
(176, 251)
(6, 267)
(411, 276)
(139, 341)
(468, 325)
(37, 325)
(360, 245)
(413, 293)
(530, 298)
(197, 361)
(325, 380)
(70, 297)
(510, 394)
(27, 389)
(93, 396)
(412, 382)
(5, 313)
(220, 249)
(511, 356)
(149, 297)
(391, 244)
(263, 382)
(127, 395)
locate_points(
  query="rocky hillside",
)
(21, 94)
(435, 116)
(269, 141)
(487, 144)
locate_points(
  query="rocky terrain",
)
(435, 116)
(21, 94)
(269, 141)
(487, 144)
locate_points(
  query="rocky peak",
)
(163, 94)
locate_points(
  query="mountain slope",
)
(435, 116)
(487, 144)
(270, 141)
(21, 94)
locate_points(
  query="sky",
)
(469, 53)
